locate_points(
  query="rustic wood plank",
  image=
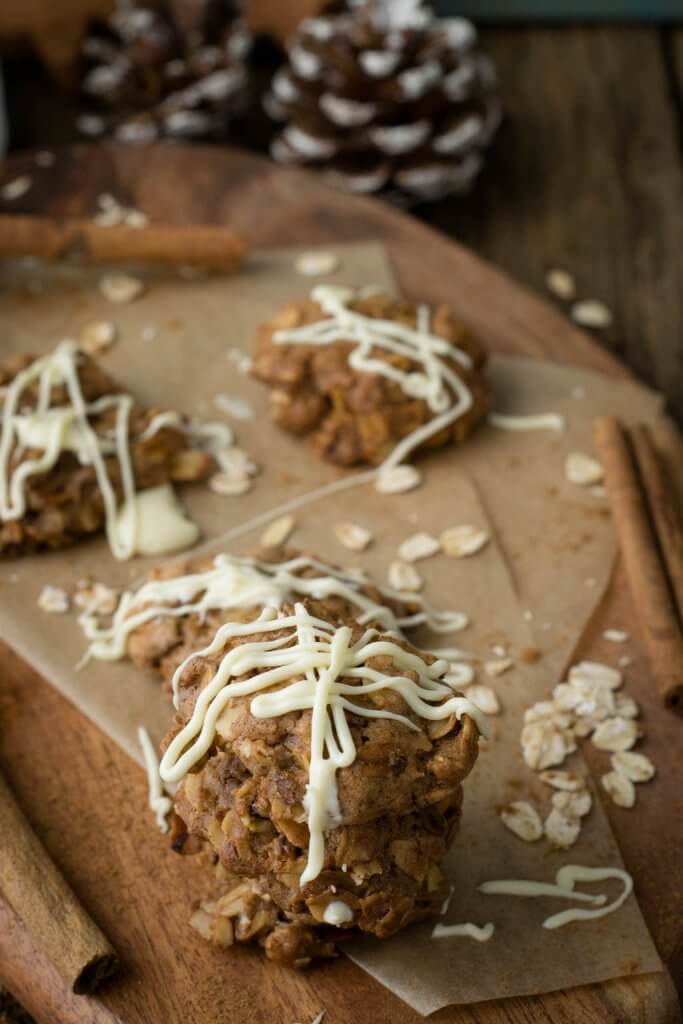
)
(587, 175)
(83, 796)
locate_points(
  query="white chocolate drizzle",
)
(232, 583)
(310, 665)
(446, 394)
(158, 802)
(57, 429)
(338, 913)
(480, 932)
(565, 880)
(542, 421)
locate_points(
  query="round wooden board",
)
(83, 795)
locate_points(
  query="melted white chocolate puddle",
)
(308, 665)
(565, 880)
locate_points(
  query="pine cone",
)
(385, 94)
(164, 69)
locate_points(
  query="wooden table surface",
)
(83, 795)
(587, 174)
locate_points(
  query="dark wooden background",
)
(587, 174)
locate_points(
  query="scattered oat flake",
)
(591, 313)
(98, 336)
(461, 541)
(616, 636)
(561, 831)
(277, 532)
(568, 782)
(523, 819)
(135, 218)
(582, 469)
(420, 545)
(625, 706)
(615, 734)
(317, 263)
(485, 699)
(96, 598)
(403, 576)
(398, 479)
(560, 283)
(498, 666)
(121, 288)
(16, 189)
(619, 788)
(544, 745)
(595, 674)
(636, 767)
(54, 600)
(573, 805)
(353, 536)
(230, 484)
(234, 405)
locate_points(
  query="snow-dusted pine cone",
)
(385, 94)
(164, 69)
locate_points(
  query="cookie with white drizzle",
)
(182, 604)
(77, 453)
(372, 378)
(288, 728)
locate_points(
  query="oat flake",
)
(636, 767)
(619, 788)
(353, 536)
(277, 532)
(403, 576)
(523, 819)
(561, 830)
(485, 698)
(420, 545)
(54, 600)
(462, 541)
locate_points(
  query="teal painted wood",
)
(565, 10)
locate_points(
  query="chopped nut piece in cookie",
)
(353, 536)
(619, 788)
(498, 666)
(582, 469)
(230, 484)
(569, 782)
(420, 545)
(561, 831)
(98, 336)
(403, 576)
(317, 263)
(573, 805)
(615, 734)
(591, 313)
(523, 819)
(121, 288)
(277, 532)
(560, 283)
(461, 541)
(398, 480)
(54, 600)
(484, 698)
(636, 767)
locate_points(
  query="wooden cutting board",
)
(84, 796)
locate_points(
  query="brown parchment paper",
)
(551, 555)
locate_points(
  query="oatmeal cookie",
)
(358, 409)
(244, 803)
(65, 503)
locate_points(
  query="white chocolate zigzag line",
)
(312, 658)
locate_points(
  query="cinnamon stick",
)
(647, 576)
(31, 884)
(665, 515)
(214, 248)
